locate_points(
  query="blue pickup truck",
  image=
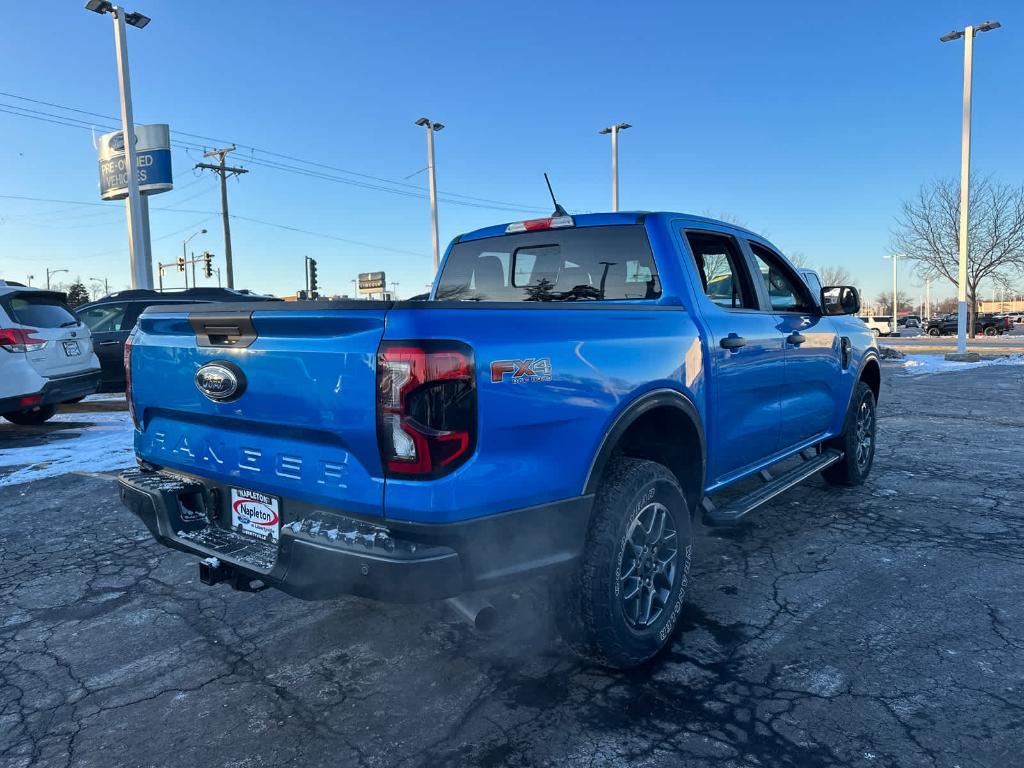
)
(571, 395)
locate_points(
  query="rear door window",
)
(40, 311)
(577, 264)
(722, 274)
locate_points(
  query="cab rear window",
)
(39, 310)
(585, 264)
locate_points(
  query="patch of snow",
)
(918, 364)
(103, 446)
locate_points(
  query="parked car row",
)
(51, 354)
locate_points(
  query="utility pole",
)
(224, 171)
(432, 127)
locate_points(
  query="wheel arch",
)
(640, 431)
(871, 374)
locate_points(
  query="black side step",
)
(771, 488)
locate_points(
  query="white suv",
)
(46, 355)
(879, 325)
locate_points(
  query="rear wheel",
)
(857, 442)
(875, 332)
(621, 604)
(31, 416)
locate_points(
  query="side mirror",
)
(840, 300)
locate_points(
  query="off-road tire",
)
(31, 416)
(591, 605)
(854, 467)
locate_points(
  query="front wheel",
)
(31, 416)
(991, 331)
(857, 441)
(934, 332)
(621, 603)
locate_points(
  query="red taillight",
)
(20, 340)
(426, 407)
(128, 377)
(30, 400)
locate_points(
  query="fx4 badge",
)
(520, 371)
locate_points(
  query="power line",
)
(450, 197)
(263, 222)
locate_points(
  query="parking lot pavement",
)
(879, 626)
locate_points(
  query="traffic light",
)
(311, 275)
(207, 264)
(181, 263)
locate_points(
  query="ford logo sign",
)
(220, 381)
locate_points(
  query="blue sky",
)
(807, 121)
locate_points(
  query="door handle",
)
(733, 342)
(796, 339)
(108, 343)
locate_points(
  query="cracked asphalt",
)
(881, 626)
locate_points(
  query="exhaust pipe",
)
(476, 610)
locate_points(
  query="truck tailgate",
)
(304, 423)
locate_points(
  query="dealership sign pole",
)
(150, 155)
(138, 245)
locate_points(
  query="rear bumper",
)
(57, 390)
(323, 554)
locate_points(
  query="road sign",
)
(153, 148)
(371, 282)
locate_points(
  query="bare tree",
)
(927, 231)
(833, 275)
(799, 259)
(884, 301)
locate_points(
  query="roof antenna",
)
(559, 210)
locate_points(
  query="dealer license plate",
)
(255, 514)
(71, 349)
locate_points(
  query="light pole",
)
(138, 243)
(106, 284)
(185, 258)
(50, 273)
(30, 279)
(614, 131)
(967, 33)
(432, 127)
(895, 295)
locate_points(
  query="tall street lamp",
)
(432, 127)
(50, 273)
(138, 242)
(106, 284)
(895, 300)
(614, 131)
(184, 257)
(967, 33)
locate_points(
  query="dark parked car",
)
(112, 318)
(990, 325)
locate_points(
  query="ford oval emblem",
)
(220, 381)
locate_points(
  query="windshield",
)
(40, 310)
(585, 264)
